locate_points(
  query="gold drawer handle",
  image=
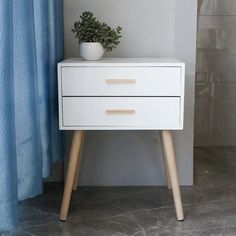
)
(120, 111)
(120, 81)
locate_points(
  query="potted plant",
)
(95, 37)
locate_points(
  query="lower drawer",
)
(121, 112)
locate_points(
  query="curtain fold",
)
(31, 44)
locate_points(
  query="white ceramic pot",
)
(91, 51)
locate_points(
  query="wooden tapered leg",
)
(76, 180)
(76, 143)
(168, 184)
(169, 151)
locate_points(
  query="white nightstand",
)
(121, 94)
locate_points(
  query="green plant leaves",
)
(89, 29)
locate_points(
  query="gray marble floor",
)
(210, 206)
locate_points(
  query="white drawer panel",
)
(123, 112)
(121, 81)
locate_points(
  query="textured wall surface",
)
(215, 110)
(150, 29)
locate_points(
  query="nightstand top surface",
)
(122, 62)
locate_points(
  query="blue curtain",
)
(31, 43)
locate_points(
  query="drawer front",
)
(123, 112)
(121, 81)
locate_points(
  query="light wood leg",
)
(76, 180)
(171, 165)
(168, 184)
(76, 143)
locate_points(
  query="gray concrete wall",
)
(150, 29)
(185, 49)
(216, 74)
(148, 26)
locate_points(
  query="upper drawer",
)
(121, 81)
